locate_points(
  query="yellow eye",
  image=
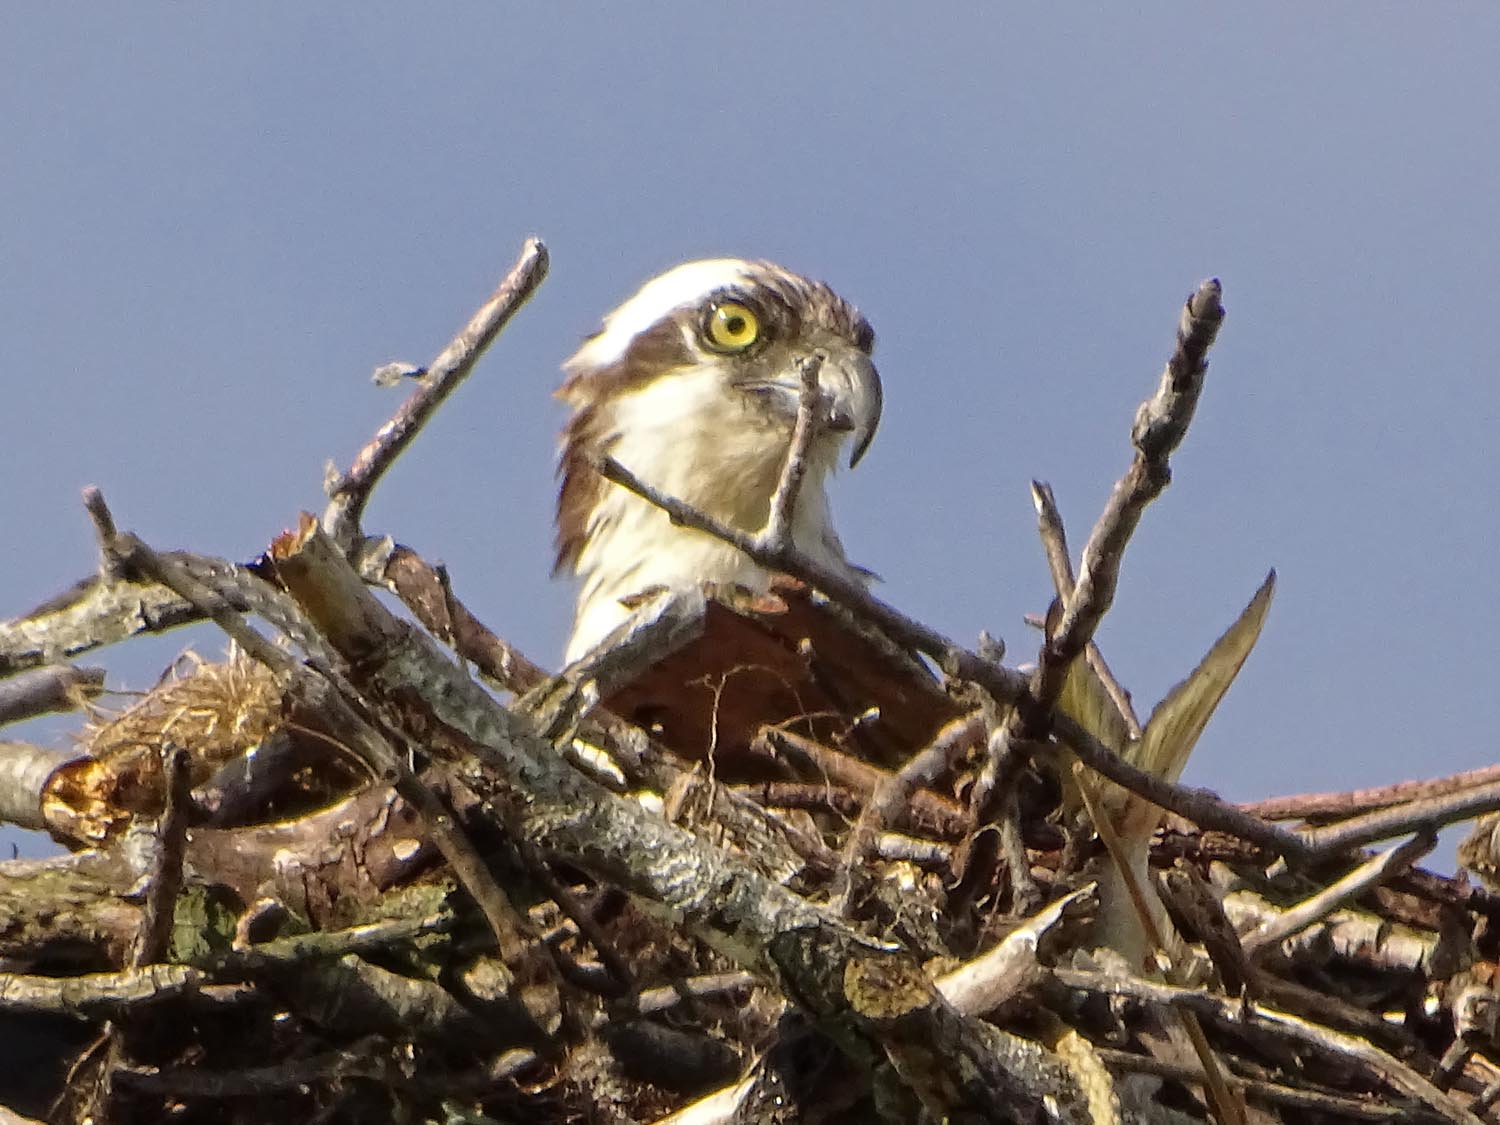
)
(732, 327)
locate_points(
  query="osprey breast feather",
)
(693, 384)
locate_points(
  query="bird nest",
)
(775, 856)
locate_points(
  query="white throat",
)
(683, 435)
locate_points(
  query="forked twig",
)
(349, 492)
(1372, 873)
(777, 534)
(1055, 544)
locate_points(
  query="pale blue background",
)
(214, 222)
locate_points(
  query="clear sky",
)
(215, 221)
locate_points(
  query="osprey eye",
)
(732, 327)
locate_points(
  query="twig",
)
(1011, 968)
(930, 854)
(1324, 807)
(24, 771)
(58, 687)
(1025, 895)
(777, 534)
(96, 995)
(1160, 424)
(434, 604)
(93, 613)
(165, 883)
(622, 980)
(349, 493)
(1414, 816)
(368, 1058)
(1055, 544)
(104, 532)
(1159, 427)
(1314, 909)
(895, 792)
(924, 809)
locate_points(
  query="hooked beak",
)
(851, 387)
(850, 393)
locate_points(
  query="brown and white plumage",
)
(671, 388)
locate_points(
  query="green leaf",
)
(1179, 719)
(1085, 701)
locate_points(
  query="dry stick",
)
(778, 527)
(1160, 424)
(25, 769)
(1055, 543)
(1314, 909)
(1335, 806)
(154, 938)
(110, 565)
(1414, 816)
(925, 809)
(434, 604)
(894, 792)
(368, 1058)
(1159, 427)
(58, 687)
(349, 493)
(1007, 686)
(624, 979)
(1025, 895)
(975, 864)
(93, 613)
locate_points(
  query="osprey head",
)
(694, 384)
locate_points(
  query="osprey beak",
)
(852, 386)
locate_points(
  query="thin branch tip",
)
(349, 493)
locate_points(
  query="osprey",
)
(693, 384)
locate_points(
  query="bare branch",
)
(166, 865)
(1413, 816)
(1055, 544)
(349, 494)
(1257, 1090)
(777, 534)
(1325, 807)
(1160, 425)
(1314, 909)
(895, 793)
(58, 687)
(24, 770)
(93, 613)
(96, 995)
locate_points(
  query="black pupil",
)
(735, 325)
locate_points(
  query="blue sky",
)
(217, 221)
